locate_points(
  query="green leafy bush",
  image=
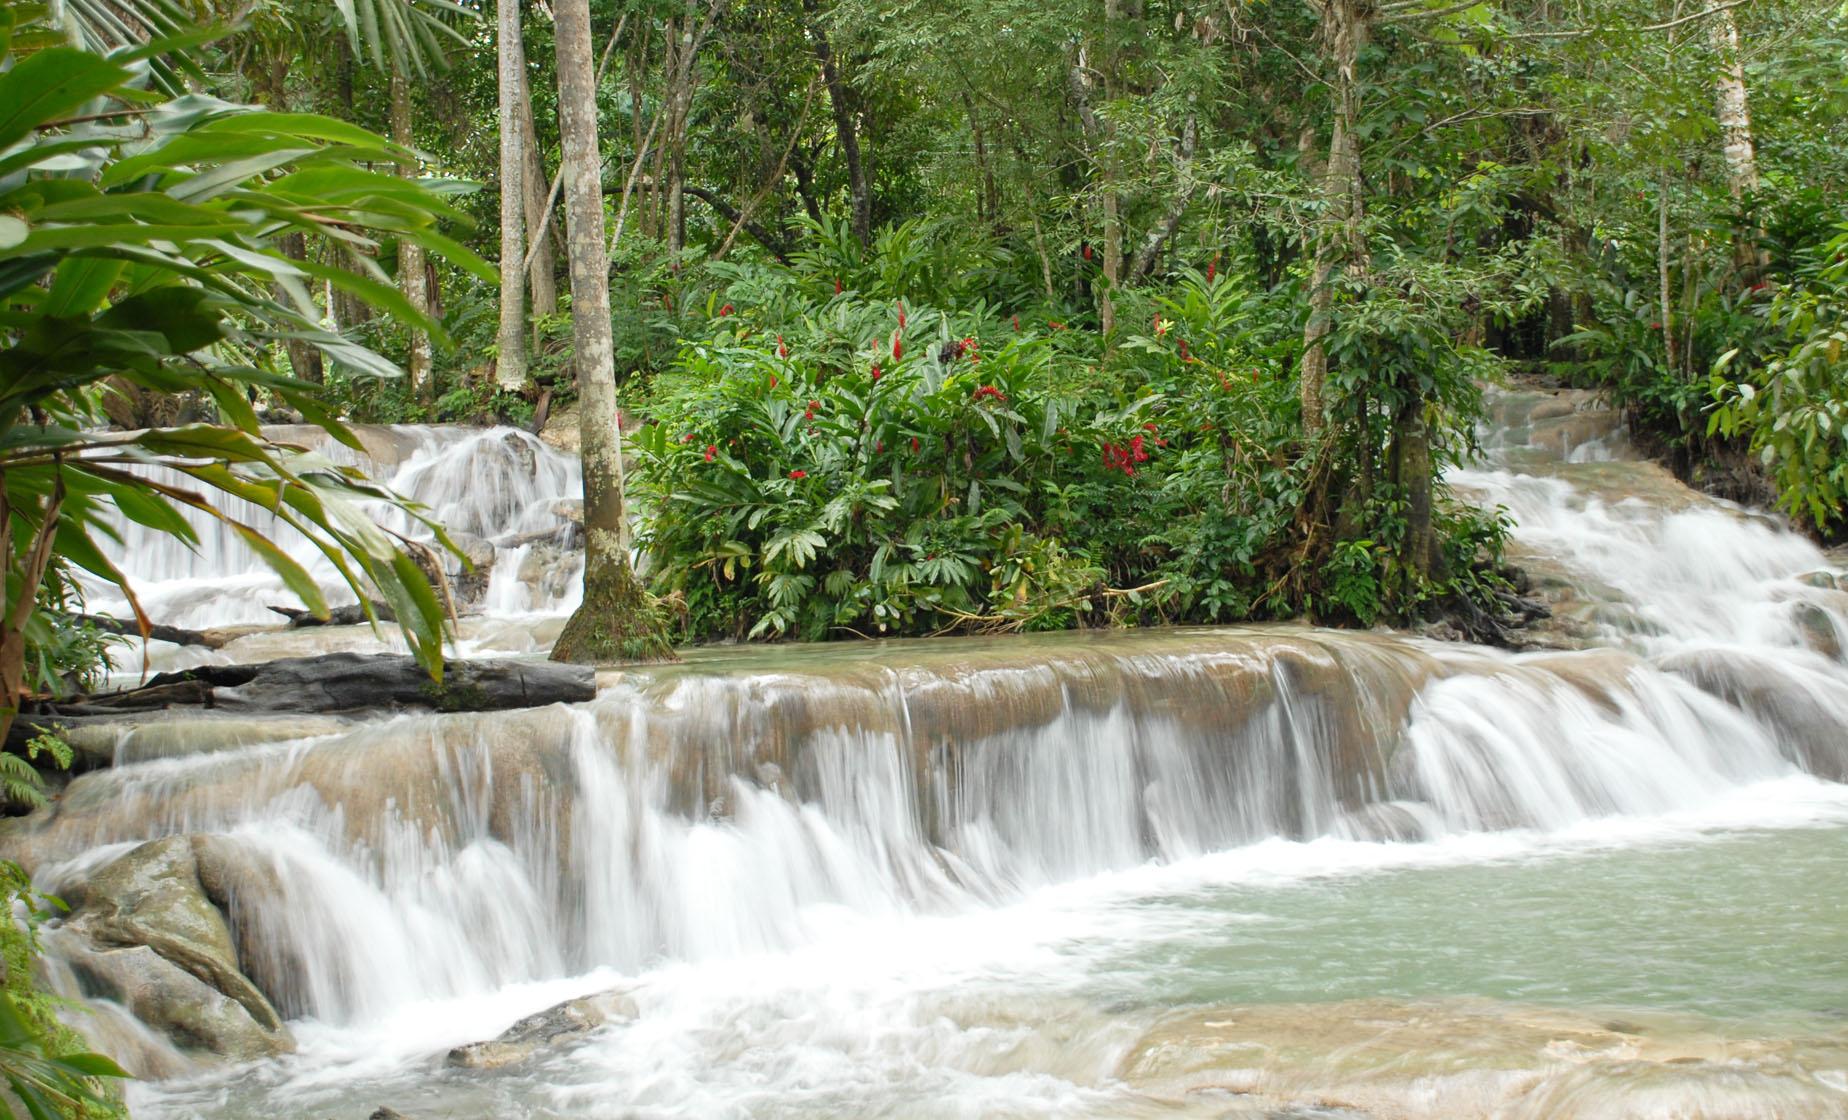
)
(818, 464)
(1793, 409)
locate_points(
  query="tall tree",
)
(413, 275)
(846, 128)
(510, 362)
(616, 620)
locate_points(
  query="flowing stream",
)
(1235, 872)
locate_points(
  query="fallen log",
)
(160, 632)
(330, 683)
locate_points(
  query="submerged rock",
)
(144, 932)
(566, 1022)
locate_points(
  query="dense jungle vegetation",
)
(890, 316)
(993, 315)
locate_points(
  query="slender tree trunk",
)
(1663, 265)
(1736, 141)
(542, 276)
(412, 276)
(17, 612)
(846, 131)
(616, 620)
(1338, 236)
(304, 358)
(510, 362)
(1083, 83)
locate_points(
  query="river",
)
(1231, 872)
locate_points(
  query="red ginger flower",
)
(898, 348)
(837, 285)
(711, 450)
(876, 371)
(1212, 269)
(798, 474)
(901, 314)
(782, 351)
(990, 391)
(724, 311)
(914, 445)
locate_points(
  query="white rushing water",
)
(501, 486)
(1264, 872)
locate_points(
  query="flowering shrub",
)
(819, 465)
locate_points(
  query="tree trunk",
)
(859, 193)
(1663, 263)
(1412, 474)
(510, 361)
(304, 357)
(1736, 142)
(542, 276)
(616, 620)
(17, 612)
(1344, 33)
(412, 276)
(1082, 84)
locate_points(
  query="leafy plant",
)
(140, 244)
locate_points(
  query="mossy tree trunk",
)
(616, 621)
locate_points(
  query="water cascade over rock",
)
(810, 869)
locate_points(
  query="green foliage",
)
(47, 1072)
(141, 245)
(814, 469)
(1794, 410)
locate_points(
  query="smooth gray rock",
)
(143, 931)
(566, 1022)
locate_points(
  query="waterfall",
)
(748, 804)
(500, 486)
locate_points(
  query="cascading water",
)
(500, 486)
(1198, 873)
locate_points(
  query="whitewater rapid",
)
(1136, 874)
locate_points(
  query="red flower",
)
(1655, 326)
(1016, 324)
(1055, 324)
(724, 311)
(809, 414)
(667, 301)
(898, 347)
(879, 447)
(1185, 357)
(1212, 269)
(837, 285)
(990, 391)
(1149, 426)
(798, 474)
(1135, 450)
(711, 450)
(1087, 250)
(876, 371)
(688, 438)
(782, 351)
(1759, 287)
(914, 445)
(1161, 328)
(901, 314)
(773, 381)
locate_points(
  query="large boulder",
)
(555, 1026)
(144, 932)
